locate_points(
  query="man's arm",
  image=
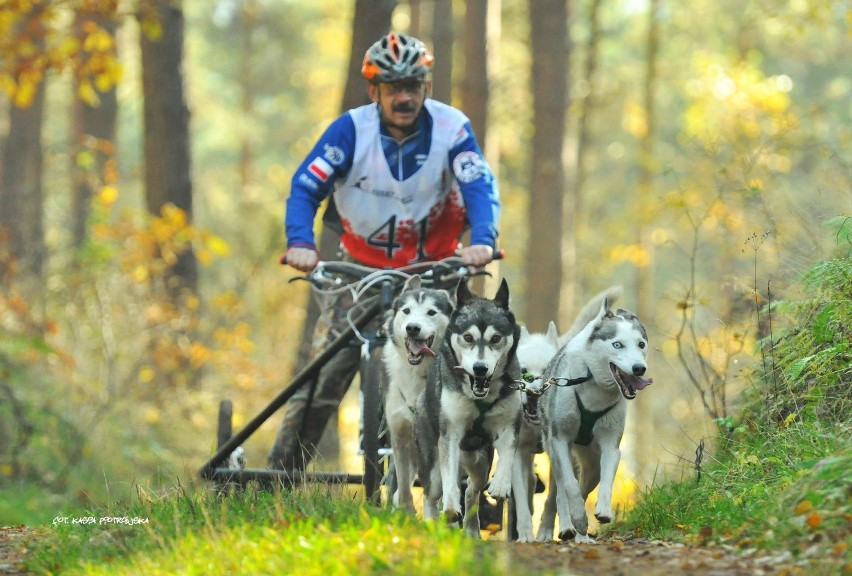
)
(330, 159)
(481, 197)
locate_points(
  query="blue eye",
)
(617, 345)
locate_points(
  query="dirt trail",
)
(13, 547)
(644, 557)
(635, 557)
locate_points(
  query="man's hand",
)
(477, 255)
(304, 259)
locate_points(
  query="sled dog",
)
(535, 351)
(598, 371)
(471, 408)
(415, 329)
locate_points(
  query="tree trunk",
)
(644, 298)
(549, 38)
(93, 137)
(166, 120)
(475, 86)
(21, 196)
(572, 285)
(442, 48)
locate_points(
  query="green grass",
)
(312, 530)
(778, 475)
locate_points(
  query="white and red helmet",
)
(396, 57)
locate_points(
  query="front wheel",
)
(372, 411)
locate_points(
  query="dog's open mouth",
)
(479, 386)
(417, 348)
(629, 383)
(531, 411)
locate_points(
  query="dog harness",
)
(587, 421)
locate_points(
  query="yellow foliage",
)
(146, 375)
(108, 195)
(731, 103)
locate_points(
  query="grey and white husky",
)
(535, 351)
(600, 368)
(415, 330)
(470, 408)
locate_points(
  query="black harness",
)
(587, 421)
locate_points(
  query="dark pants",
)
(303, 426)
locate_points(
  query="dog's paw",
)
(603, 518)
(525, 536)
(544, 534)
(451, 515)
(567, 534)
(499, 487)
(583, 539)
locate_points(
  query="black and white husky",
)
(415, 329)
(599, 369)
(470, 408)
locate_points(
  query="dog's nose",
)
(480, 370)
(412, 329)
(638, 369)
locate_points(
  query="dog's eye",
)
(617, 345)
(468, 338)
(495, 339)
(642, 345)
(432, 312)
(406, 310)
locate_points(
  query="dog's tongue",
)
(419, 347)
(639, 383)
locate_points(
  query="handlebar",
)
(336, 276)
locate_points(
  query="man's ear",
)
(373, 91)
(428, 84)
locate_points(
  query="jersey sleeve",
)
(478, 187)
(330, 159)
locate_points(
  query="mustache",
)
(403, 108)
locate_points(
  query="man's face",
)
(400, 101)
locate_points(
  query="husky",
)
(599, 369)
(470, 408)
(535, 351)
(415, 329)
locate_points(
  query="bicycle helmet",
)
(396, 57)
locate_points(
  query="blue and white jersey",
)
(399, 202)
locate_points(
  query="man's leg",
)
(302, 428)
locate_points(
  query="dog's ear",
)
(552, 334)
(605, 310)
(413, 283)
(463, 293)
(502, 297)
(626, 314)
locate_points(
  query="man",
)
(407, 175)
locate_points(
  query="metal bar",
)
(372, 306)
(265, 475)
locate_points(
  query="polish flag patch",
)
(320, 168)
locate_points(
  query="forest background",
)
(697, 153)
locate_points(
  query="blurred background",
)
(697, 153)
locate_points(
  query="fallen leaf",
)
(803, 506)
(592, 554)
(493, 528)
(814, 520)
